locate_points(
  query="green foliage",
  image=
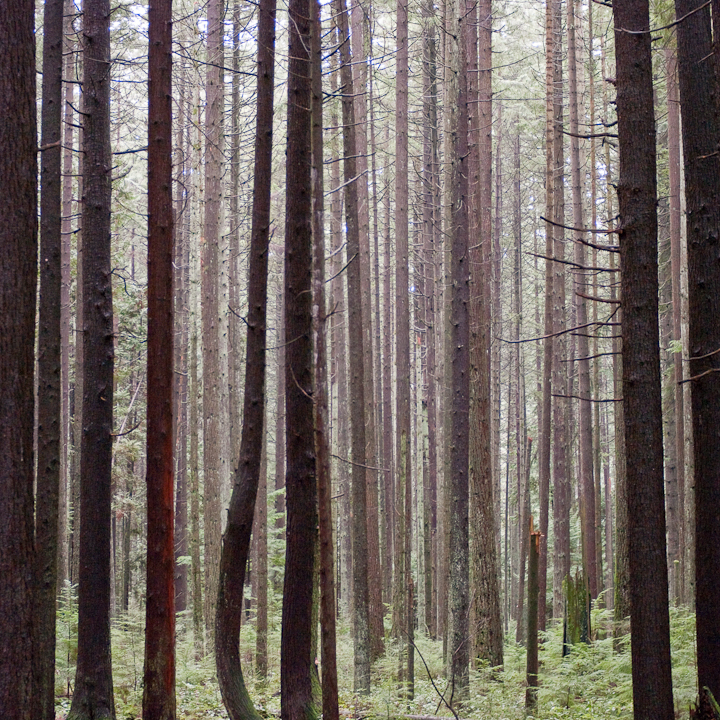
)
(593, 681)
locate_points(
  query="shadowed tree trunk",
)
(48, 368)
(159, 675)
(637, 195)
(93, 696)
(18, 278)
(297, 661)
(322, 441)
(236, 540)
(698, 94)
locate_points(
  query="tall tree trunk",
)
(545, 420)
(698, 92)
(194, 431)
(320, 382)
(673, 100)
(587, 485)
(93, 695)
(375, 609)
(65, 312)
(487, 620)
(159, 674)
(361, 620)
(459, 592)
(561, 482)
(18, 280)
(403, 485)
(212, 379)
(297, 661)
(236, 540)
(637, 195)
(48, 369)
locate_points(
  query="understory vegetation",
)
(592, 681)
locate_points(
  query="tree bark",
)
(48, 369)
(637, 195)
(93, 696)
(18, 280)
(361, 627)
(297, 661)
(459, 592)
(212, 390)
(159, 675)
(699, 106)
(531, 694)
(587, 486)
(236, 540)
(322, 441)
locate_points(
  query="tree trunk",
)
(297, 661)
(236, 540)
(322, 441)
(559, 383)
(545, 420)
(93, 696)
(532, 625)
(159, 675)
(637, 194)
(673, 100)
(18, 280)
(698, 99)
(459, 591)
(48, 368)
(403, 484)
(587, 485)
(212, 380)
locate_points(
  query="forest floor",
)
(592, 682)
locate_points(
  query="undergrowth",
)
(593, 681)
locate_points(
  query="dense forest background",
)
(377, 360)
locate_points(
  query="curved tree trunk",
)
(236, 540)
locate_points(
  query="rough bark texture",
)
(93, 697)
(532, 625)
(212, 390)
(18, 278)
(587, 491)
(236, 540)
(545, 420)
(637, 195)
(330, 708)
(459, 597)
(297, 661)
(49, 376)
(673, 99)
(361, 628)
(159, 675)
(487, 621)
(403, 485)
(699, 106)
